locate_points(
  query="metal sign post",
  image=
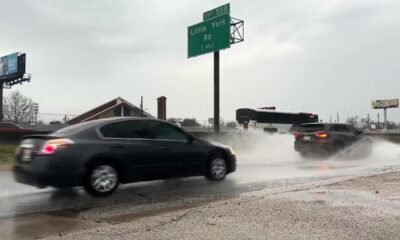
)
(217, 32)
(216, 91)
(384, 119)
(385, 104)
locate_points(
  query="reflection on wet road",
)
(264, 167)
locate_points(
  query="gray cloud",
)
(320, 56)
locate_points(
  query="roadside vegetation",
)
(7, 154)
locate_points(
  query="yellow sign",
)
(388, 103)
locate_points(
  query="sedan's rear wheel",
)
(101, 180)
(217, 168)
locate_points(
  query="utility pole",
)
(337, 117)
(378, 121)
(368, 123)
(141, 106)
(36, 111)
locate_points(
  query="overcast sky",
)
(311, 56)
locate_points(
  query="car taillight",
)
(51, 146)
(322, 134)
(297, 135)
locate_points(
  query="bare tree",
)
(221, 121)
(354, 120)
(190, 122)
(18, 108)
(365, 123)
(391, 125)
(231, 124)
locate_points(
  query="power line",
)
(58, 114)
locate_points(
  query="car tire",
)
(217, 168)
(101, 180)
(304, 154)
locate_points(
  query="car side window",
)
(7, 125)
(340, 128)
(127, 129)
(345, 129)
(335, 128)
(162, 131)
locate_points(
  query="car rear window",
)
(312, 128)
(76, 128)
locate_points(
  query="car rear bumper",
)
(317, 147)
(25, 176)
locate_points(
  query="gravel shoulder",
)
(360, 208)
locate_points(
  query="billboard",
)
(8, 65)
(388, 103)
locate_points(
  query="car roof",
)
(117, 119)
(326, 124)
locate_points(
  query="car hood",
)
(217, 144)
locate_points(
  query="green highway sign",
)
(224, 9)
(209, 36)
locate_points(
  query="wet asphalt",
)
(257, 169)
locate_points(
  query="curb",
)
(6, 167)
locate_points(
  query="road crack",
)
(174, 219)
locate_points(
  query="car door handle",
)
(165, 149)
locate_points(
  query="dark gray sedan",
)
(100, 154)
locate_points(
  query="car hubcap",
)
(218, 168)
(104, 178)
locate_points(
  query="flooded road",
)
(269, 164)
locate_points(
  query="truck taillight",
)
(321, 134)
(51, 146)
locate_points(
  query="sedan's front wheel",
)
(217, 168)
(101, 180)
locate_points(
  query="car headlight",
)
(230, 150)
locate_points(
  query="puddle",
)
(37, 226)
(344, 198)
